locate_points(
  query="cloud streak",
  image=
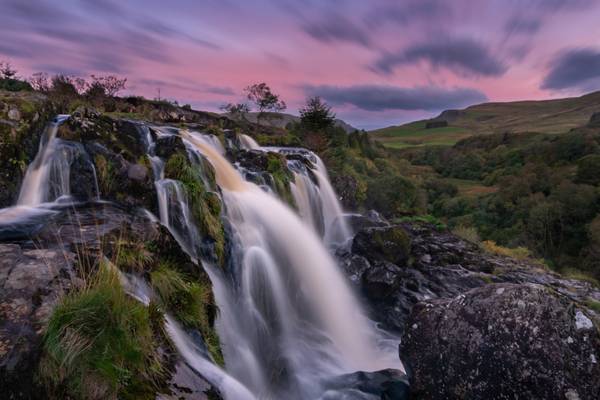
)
(465, 57)
(381, 97)
(575, 68)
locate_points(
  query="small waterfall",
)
(248, 143)
(52, 160)
(317, 202)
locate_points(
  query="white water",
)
(288, 320)
(36, 188)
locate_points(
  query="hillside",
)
(545, 116)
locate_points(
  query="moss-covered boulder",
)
(391, 244)
(204, 204)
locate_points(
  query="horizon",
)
(448, 56)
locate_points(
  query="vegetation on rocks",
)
(99, 344)
(204, 207)
(190, 301)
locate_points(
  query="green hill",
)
(545, 116)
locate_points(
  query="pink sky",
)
(378, 62)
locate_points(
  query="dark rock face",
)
(387, 384)
(594, 120)
(31, 282)
(390, 244)
(347, 188)
(502, 341)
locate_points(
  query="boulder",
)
(31, 281)
(391, 244)
(137, 172)
(509, 341)
(594, 120)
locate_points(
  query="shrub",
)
(467, 233)
(519, 253)
(99, 344)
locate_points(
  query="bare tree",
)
(237, 110)
(7, 71)
(40, 81)
(265, 100)
(111, 85)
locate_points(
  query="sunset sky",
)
(378, 62)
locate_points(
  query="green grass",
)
(592, 304)
(190, 302)
(415, 135)
(100, 344)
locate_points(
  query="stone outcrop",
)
(31, 282)
(510, 341)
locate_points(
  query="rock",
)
(369, 220)
(388, 384)
(31, 282)
(14, 114)
(137, 172)
(348, 190)
(168, 145)
(83, 178)
(381, 280)
(390, 244)
(502, 341)
(594, 120)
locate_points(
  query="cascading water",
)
(288, 320)
(316, 200)
(46, 185)
(37, 186)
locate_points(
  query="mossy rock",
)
(202, 204)
(390, 244)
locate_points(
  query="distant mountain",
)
(280, 120)
(542, 116)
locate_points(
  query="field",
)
(415, 135)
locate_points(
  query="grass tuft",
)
(99, 344)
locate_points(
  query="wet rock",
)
(31, 282)
(502, 341)
(83, 178)
(372, 219)
(137, 172)
(168, 145)
(391, 244)
(388, 384)
(14, 114)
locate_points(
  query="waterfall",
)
(51, 159)
(316, 200)
(288, 319)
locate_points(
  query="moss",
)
(190, 302)
(100, 344)
(277, 167)
(105, 174)
(592, 304)
(202, 203)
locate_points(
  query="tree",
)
(7, 71)
(265, 100)
(40, 81)
(316, 114)
(237, 111)
(109, 85)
